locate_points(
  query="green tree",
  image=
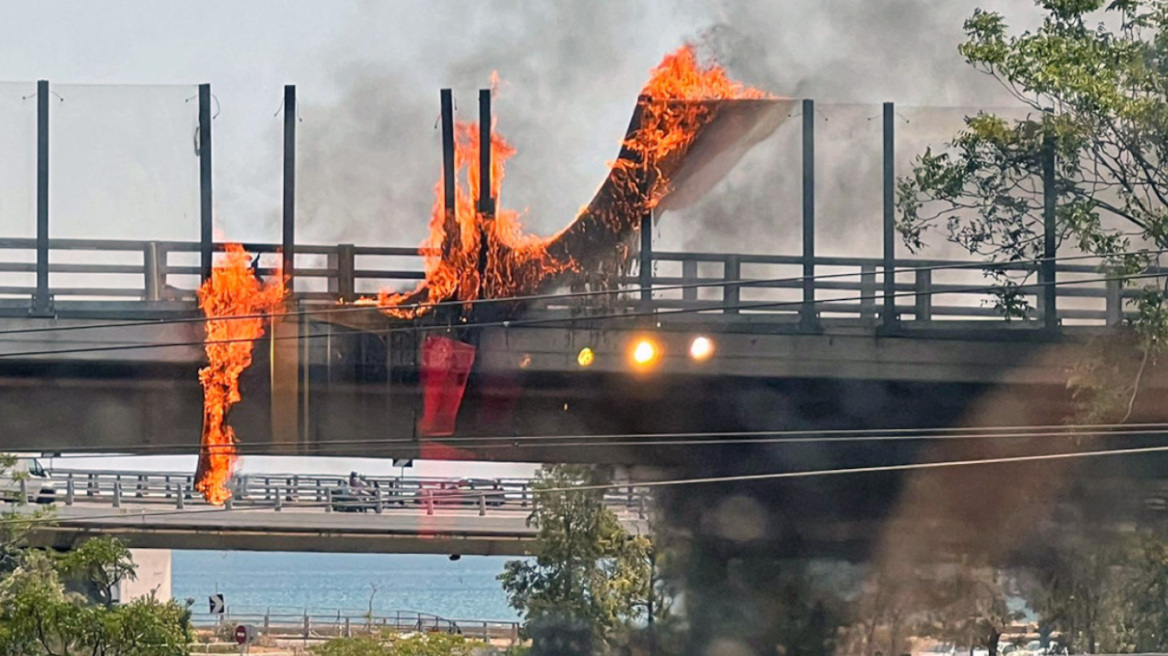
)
(1079, 588)
(16, 520)
(970, 609)
(1144, 615)
(586, 570)
(887, 602)
(1094, 75)
(39, 617)
(425, 644)
(99, 565)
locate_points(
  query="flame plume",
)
(233, 291)
(682, 98)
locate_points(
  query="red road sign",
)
(242, 634)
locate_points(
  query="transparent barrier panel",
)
(124, 162)
(18, 162)
(956, 293)
(249, 155)
(755, 208)
(367, 163)
(849, 165)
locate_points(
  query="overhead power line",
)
(939, 434)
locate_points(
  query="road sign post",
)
(245, 635)
(216, 604)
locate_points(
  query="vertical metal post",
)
(923, 290)
(289, 233)
(117, 494)
(867, 294)
(340, 264)
(181, 497)
(888, 317)
(42, 303)
(70, 491)
(486, 197)
(1049, 205)
(452, 235)
(206, 236)
(645, 275)
(152, 272)
(731, 294)
(1114, 309)
(486, 200)
(807, 317)
(689, 275)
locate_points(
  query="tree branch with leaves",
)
(1093, 80)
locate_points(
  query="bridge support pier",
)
(285, 383)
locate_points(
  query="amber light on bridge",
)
(644, 353)
(586, 357)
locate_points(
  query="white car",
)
(37, 485)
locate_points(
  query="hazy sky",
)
(368, 75)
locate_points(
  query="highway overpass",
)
(289, 512)
(157, 510)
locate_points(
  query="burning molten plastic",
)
(681, 98)
(233, 301)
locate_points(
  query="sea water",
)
(254, 581)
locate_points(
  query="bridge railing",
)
(308, 624)
(163, 276)
(328, 493)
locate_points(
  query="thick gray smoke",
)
(570, 75)
(571, 72)
(850, 58)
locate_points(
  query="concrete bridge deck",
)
(791, 353)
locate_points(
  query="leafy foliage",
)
(1080, 592)
(969, 608)
(1093, 77)
(100, 565)
(587, 570)
(423, 644)
(39, 616)
(15, 521)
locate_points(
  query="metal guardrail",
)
(305, 624)
(161, 277)
(330, 493)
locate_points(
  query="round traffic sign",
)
(242, 634)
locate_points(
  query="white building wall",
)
(154, 575)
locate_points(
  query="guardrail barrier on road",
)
(327, 493)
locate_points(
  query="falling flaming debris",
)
(231, 301)
(681, 99)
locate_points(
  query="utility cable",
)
(655, 439)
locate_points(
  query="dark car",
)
(465, 492)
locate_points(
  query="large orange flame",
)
(674, 106)
(232, 301)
